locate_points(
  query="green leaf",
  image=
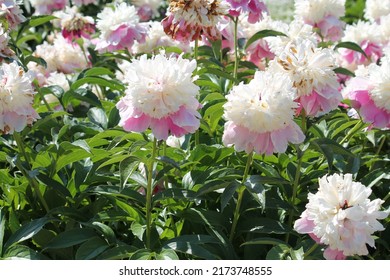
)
(263, 34)
(228, 193)
(118, 253)
(167, 254)
(126, 168)
(81, 94)
(2, 229)
(344, 71)
(21, 252)
(91, 249)
(191, 244)
(39, 20)
(264, 241)
(97, 71)
(98, 117)
(352, 46)
(27, 231)
(255, 187)
(37, 60)
(107, 232)
(138, 230)
(218, 73)
(71, 237)
(97, 81)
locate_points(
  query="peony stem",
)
(295, 190)
(311, 250)
(196, 58)
(241, 190)
(149, 192)
(32, 181)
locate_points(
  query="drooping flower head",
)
(254, 8)
(10, 14)
(74, 25)
(369, 93)
(311, 70)
(323, 14)
(16, 99)
(187, 20)
(341, 216)
(46, 7)
(119, 28)
(375, 9)
(260, 115)
(160, 94)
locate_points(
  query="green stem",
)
(241, 190)
(34, 184)
(149, 193)
(387, 197)
(381, 145)
(196, 58)
(304, 121)
(295, 191)
(311, 250)
(236, 58)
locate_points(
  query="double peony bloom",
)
(341, 216)
(16, 99)
(160, 95)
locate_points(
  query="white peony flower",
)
(260, 115)
(46, 7)
(316, 10)
(342, 216)
(147, 9)
(265, 104)
(160, 94)
(119, 28)
(376, 8)
(16, 98)
(9, 9)
(380, 76)
(309, 67)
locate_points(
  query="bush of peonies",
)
(242, 131)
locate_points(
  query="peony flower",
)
(9, 9)
(161, 95)
(311, 70)
(147, 9)
(156, 38)
(5, 51)
(46, 7)
(369, 93)
(119, 28)
(260, 115)
(254, 8)
(187, 20)
(62, 56)
(74, 25)
(259, 51)
(16, 99)
(366, 35)
(341, 216)
(323, 14)
(375, 9)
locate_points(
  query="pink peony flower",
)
(341, 216)
(46, 7)
(260, 115)
(160, 95)
(74, 25)
(188, 20)
(16, 99)
(119, 28)
(369, 94)
(254, 8)
(311, 70)
(9, 9)
(147, 9)
(324, 15)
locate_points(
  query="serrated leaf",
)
(352, 46)
(262, 34)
